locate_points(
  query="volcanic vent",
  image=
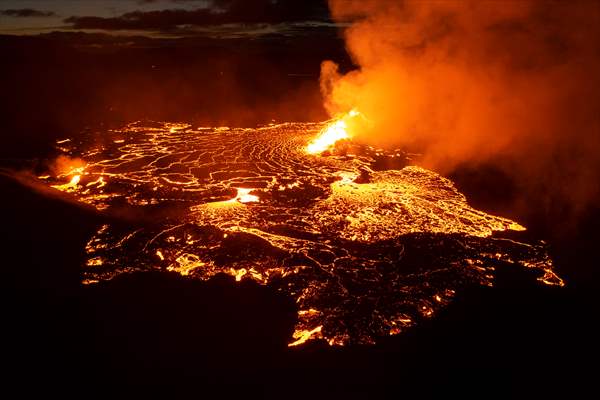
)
(364, 251)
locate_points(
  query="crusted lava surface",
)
(366, 244)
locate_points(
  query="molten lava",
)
(71, 185)
(244, 196)
(335, 131)
(363, 252)
(302, 336)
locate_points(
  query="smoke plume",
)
(512, 83)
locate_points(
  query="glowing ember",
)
(364, 253)
(334, 132)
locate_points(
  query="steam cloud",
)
(510, 83)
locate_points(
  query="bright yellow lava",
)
(244, 196)
(186, 263)
(75, 180)
(302, 336)
(72, 185)
(238, 274)
(335, 131)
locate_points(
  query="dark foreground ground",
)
(155, 333)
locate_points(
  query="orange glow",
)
(456, 82)
(65, 166)
(337, 130)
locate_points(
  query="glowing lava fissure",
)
(364, 253)
(334, 131)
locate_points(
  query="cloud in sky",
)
(165, 17)
(215, 13)
(26, 12)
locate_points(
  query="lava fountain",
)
(334, 131)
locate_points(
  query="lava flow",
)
(364, 252)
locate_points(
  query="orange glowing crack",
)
(99, 182)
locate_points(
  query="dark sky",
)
(161, 17)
